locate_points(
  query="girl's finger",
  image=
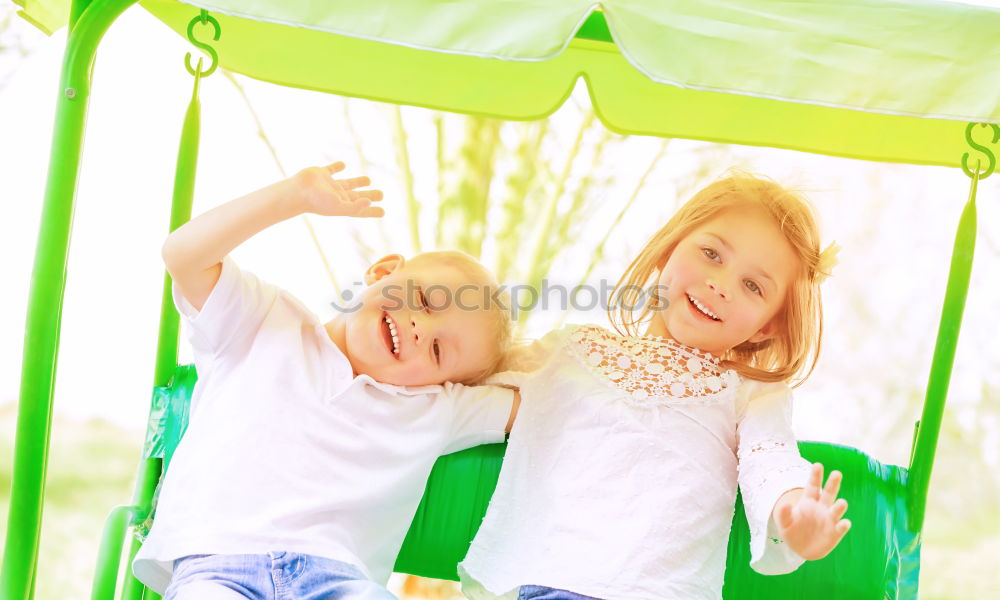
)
(842, 528)
(839, 508)
(785, 516)
(838, 534)
(354, 182)
(334, 167)
(832, 487)
(815, 481)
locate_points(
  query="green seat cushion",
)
(878, 559)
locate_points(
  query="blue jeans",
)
(540, 592)
(271, 576)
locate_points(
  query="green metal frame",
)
(89, 20)
(88, 23)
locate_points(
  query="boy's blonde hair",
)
(498, 311)
(795, 347)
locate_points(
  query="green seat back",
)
(879, 558)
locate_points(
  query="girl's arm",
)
(810, 519)
(193, 253)
(769, 466)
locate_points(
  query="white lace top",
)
(620, 476)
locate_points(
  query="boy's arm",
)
(513, 410)
(193, 253)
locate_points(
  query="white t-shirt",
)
(620, 476)
(287, 450)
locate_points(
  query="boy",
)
(309, 444)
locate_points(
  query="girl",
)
(620, 476)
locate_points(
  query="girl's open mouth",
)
(700, 310)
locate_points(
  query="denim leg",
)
(304, 577)
(204, 590)
(540, 592)
(220, 577)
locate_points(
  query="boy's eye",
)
(710, 253)
(437, 352)
(422, 297)
(753, 287)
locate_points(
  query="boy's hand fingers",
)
(371, 195)
(334, 167)
(372, 211)
(354, 182)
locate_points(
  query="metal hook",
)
(203, 18)
(984, 149)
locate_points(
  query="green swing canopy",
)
(883, 80)
(911, 81)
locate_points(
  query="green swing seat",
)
(878, 559)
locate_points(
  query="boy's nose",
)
(416, 332)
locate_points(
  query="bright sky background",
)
(140, 93)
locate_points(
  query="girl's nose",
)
(718, 288)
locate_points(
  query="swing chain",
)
(204, 18)
(990, 156)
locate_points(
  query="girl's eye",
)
(437, 352)
(423, 298)
(753, 287)
(710, 253)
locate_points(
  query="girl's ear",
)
(766, 332)
(382, 267)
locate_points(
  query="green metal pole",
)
(105, 580)
(166, 350)
(48, 283)
(929, 425)
(76, 10)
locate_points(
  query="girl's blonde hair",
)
(795, 347)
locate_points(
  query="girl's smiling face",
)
(725, 282)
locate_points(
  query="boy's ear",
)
(382, 267)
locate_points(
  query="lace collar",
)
(651, 370)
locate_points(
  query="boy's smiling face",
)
(725, 282)
(418, 323)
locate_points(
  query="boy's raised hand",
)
(321, 194)
(812, 526)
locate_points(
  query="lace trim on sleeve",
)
(750, 494)
(766, 446)
(652, 371)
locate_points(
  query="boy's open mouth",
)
(701, 310)
(389, 335)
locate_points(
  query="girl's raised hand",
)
(812, 527)
(321, 194)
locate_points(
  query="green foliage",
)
(508, 187)
(463, 207)
(92, 466)
(522, 188)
